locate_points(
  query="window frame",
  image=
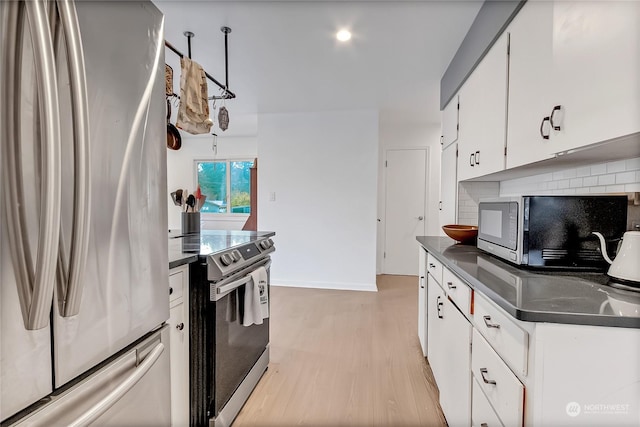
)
(227, 160)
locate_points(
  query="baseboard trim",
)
(340, 286)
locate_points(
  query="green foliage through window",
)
(227, 185)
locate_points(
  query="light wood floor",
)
(345, 358)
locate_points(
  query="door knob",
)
(420, 218)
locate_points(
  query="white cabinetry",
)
(450, 122)
(448, 185)
(422, 299)
(483, 115)
(455, 393)
(596, 71)
(179, 344)
(573, 77)
(436, 334)
(449, 347)
(530, 90)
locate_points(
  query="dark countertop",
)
(185, 249)
(538, 296)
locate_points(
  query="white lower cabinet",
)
(449, 354)
(501, 387)
(179, 344)
(455, 395)
(436, 353)
(422, 299)
(482, 414)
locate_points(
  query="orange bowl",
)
(461, 233)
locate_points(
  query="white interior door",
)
(406, 172)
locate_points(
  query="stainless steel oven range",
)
(227, 359)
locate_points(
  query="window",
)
(227, 185)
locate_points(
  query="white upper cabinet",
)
(483, 115)
(450, 122)
(448, 185)
(530, 100)
(596, 71)
(574, 77)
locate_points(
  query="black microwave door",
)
(560, 229)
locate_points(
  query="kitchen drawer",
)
(501, 387)
(508, 339)
(457, 290)
(482, 414)
(178, 277)
(434, 268)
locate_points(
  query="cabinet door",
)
(530, 68)
(422, 299)
(436, 352)
(483, 115)
(448, 185)
(179, 349)
(455, 395)
(596, 71)
(450, 122)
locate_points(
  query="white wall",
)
(322, 168)
(181, 171)
(396, 134)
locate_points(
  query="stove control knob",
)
(236, 256)
(226, 259)
(270, 242)
(264, 244)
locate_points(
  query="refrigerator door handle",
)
(35, 288)
(112, 398)
(70, 289)
(12, 174)
(45, 66)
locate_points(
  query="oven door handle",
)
(237, 283)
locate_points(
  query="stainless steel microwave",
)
(551, 231)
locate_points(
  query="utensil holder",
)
(190, 222)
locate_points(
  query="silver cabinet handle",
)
(477, 158)
(71, 294)
(420, 218)
(484, 425)
(112, 398)
(450, 285)
(439, 307)
(180, 326)
(483, 373)
(487, 321)
(421, 282)
(432, 265)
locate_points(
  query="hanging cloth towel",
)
(193, 113)
(256, 298)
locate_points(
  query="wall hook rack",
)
(226, 93)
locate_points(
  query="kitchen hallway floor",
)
(345, 358)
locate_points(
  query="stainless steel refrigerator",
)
(83, 258)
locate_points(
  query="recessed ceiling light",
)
(343, 35)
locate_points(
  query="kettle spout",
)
(603, 247)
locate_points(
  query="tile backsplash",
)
(621, 176)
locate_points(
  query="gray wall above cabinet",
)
(492, 19)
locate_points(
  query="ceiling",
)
(284, 57)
